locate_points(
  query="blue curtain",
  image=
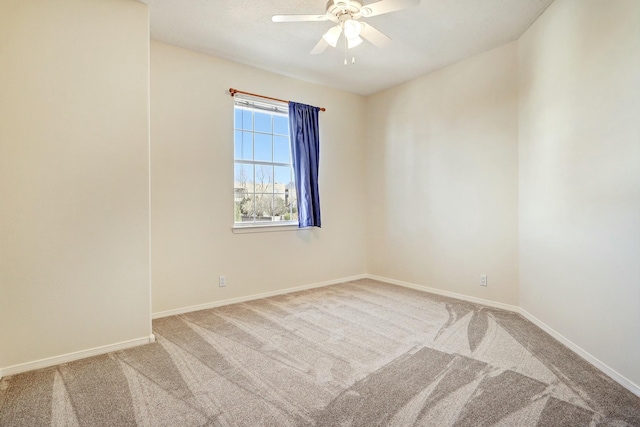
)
(305, 148)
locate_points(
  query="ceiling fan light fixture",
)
(346, 14)
(353, 42)
(352, 29)
(332, 36)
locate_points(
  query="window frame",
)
(273, 108)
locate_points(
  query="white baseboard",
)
(612, 373)
(70, 357)
(44, 363)
(475, 300)
(252, 297)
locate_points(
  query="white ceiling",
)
(425, 38)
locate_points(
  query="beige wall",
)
(442, 177)
(192, 186)
(74, 205)
(427, 183)
(580, 176)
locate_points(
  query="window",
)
(264, 188)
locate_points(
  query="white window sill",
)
(265, 228)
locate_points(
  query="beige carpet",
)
(362, 353)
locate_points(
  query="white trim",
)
(612, 373)
(77, 355)
(267, 227)
(252, 297)
(44, 363)
(475, 300)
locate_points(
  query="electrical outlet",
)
(222, 281)
(483, 280)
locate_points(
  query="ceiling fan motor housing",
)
(338, 8)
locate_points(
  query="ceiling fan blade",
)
(386, 6)
(298, 18)
(377, 38)
(320, 47)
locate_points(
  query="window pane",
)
(281, 125)
(263, 122)
(264, 179)
(281, 149)
(245, 209)
(243, 179)
(263, 207)
(237, 118)
(240, 213)
(282, 177)
(247, 145)
(280, 209)
(247, 120)
(237, 144)
(243, 145)
(264, 149)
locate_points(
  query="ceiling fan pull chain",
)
(345, 51)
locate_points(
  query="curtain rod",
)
(233, 91)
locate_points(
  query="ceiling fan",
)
(347, 14)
